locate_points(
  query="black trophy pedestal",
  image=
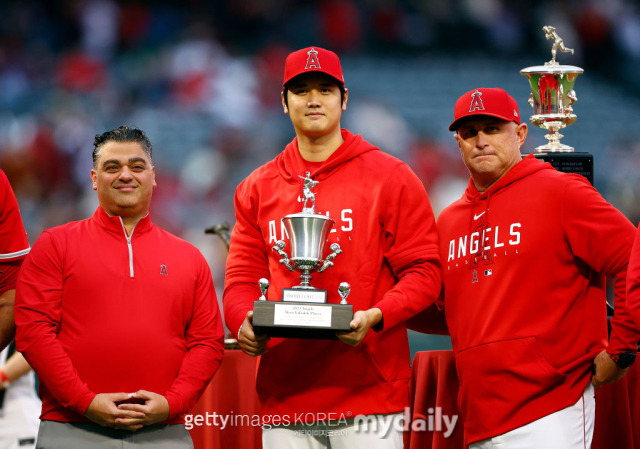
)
(287, 319)
(574, 162)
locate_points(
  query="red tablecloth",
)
(231, 393)
(434, 384)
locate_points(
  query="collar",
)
(114, 224)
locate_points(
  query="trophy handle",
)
(343, 290)
(279, 247)
(328, 261)
(264, 285)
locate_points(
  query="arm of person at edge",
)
(8, 277)
(15, 367)
(412, 254)
(587, 217)
(7, 324)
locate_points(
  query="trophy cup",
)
(552, 98)
(304, 311)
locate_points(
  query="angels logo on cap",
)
(476, 101)
(312, 60)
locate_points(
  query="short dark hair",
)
(121, 134)
(286, 88)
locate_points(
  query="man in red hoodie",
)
(319, 390)
(118, 317)
(525, 253)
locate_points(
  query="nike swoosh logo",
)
(475, 217)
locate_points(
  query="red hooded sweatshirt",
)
(524, 267)
(386, 229)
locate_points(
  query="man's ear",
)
(346, 97)
(284, 104)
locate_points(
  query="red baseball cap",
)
(312, 59)
(494, 102)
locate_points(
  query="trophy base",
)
(573, 162)
(301, 319)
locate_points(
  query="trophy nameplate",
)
(552, 98)
(303, 311)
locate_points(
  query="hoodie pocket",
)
(498, 380)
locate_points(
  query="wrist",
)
(375, 318)
(623, 359)
(4, 380)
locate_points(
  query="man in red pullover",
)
(319, 390)
(118, 317)
(525, 253)
(14, 247)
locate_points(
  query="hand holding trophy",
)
(304, 311)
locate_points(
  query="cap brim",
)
(290, 80)
(456, 123)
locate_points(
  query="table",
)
(231, 394)
(434, 385)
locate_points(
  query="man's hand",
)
(249, 342)
(151, 408)
(606, 370)
(103, 410)
(363, 320)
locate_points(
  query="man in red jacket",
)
(525, 253)
(14, 247)
(317, 390)
(118, 317)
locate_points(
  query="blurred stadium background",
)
(203, 78)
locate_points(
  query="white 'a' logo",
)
(312, 60)
(476, 102)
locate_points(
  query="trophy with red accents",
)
(304, 311)
(552, 98)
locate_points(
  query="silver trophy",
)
(304, 311)
(552, 95)
(307, 232)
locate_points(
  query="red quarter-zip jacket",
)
(386, 229)
(524, 267)
(99, 312)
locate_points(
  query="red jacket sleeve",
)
(602, 237)
(13, 238)
(633, 281)
(37, 315)
(247, 261)
(412, 252)
(205, 346)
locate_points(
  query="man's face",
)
(314, 105)
(490, 147)
(124, 179)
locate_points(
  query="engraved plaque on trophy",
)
(304, 311)
(552, 98)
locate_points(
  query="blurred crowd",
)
(203, 78)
